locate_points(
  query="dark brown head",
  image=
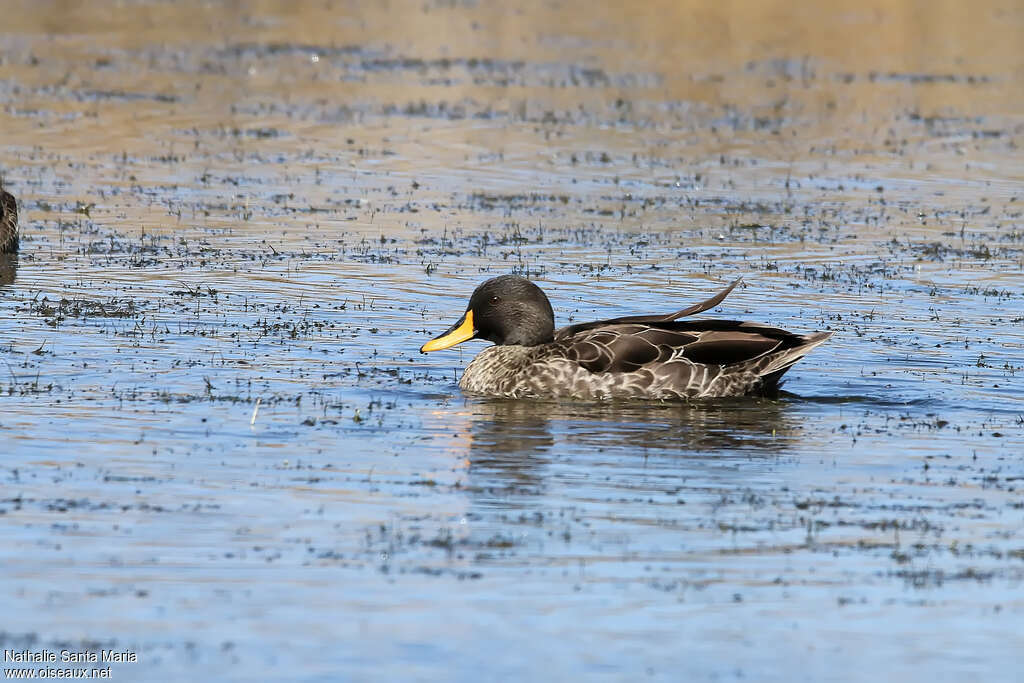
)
(505, 310)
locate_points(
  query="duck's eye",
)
(494, 300)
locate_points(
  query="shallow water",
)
(223, 452)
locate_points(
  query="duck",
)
(641, 357)
(8, 222)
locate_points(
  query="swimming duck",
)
(636, 357)
(8, 222)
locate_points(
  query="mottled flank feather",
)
(8, 223)
(639, 357)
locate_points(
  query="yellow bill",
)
(456, 334)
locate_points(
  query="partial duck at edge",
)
(8, 222)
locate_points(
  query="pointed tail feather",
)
(689, 310)
(570, 330)
(774, 365)
(704, 305)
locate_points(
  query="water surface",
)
(223, 451)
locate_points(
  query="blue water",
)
(223, 452)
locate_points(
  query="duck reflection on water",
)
(8, 268)
(512, 442)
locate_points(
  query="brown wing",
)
(728, 347)
(624, 348)
(630, 347)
